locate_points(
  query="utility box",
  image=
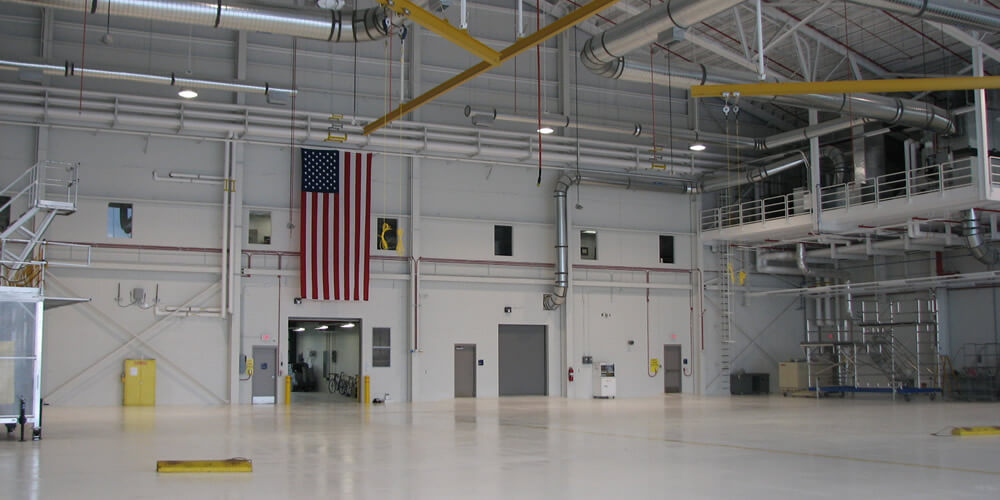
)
(605, 385)
(140, 382)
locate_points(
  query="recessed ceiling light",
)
(299, 329)
(347, 325)
(322, 327)
(546, 130)
(589, 231)
(187, 93)
(697, 147)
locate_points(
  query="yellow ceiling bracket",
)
(848, 86)
(457, 36)
(558, 26)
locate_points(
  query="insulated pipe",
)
(806, 133)
(838, 165)
(558, 296)
(956, 13)
(974, 240)
(603, 53)
(891, 110)
(626, 160)
(330, 25)
(720, 182)
(70, 69)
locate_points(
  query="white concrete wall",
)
(460, 202)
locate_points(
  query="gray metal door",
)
(465, 370)
(265, 373)
(672, 368)
(522, 360)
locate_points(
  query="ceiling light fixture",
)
(697, 147)
(187, 93)
(347, 325)
(322, 327)
(299, 329)
(546, 130)
(589, 231)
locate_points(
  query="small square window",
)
(119, 220)
(588, 244)
(259, 232)
(386, 233)
(666, 249)
(503, 240)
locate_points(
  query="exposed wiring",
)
(538, 75)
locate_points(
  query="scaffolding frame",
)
(874, 343)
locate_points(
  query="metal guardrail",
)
(916, 182)
(775, 207)
(919, 181)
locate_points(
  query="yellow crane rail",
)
(846, 86)
(558, 26)
(457, 36)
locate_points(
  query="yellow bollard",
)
(288, 390)
(368, 390)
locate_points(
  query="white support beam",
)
(742, 33)
(795, 27)
(968, 39)
(824, 39)
(719, 49)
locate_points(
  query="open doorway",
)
(324, 359)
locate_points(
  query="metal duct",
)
(555, 299)
(603, 53)
(334, 26)
(838, 165)
(70, 69)
(720, 182)
(959, 14)
(806, 133)
(890, 110)
(974, 240)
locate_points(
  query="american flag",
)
(335, 220)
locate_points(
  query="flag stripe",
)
(312, 246)
(357, 226)
(336, 247)
(368, 222)
(302, 246)
(326, 246)
(345, 194)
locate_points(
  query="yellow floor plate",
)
(228, 465)
(976, 431)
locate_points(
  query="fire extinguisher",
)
(571, 372)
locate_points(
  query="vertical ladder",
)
(725, 316)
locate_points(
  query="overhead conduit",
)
(748, 175)
(604, 55)
(974, 240)
(330, 25)
(70, 69)
(959, 14)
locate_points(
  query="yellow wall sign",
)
(654, 365)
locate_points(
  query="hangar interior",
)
(613, 218)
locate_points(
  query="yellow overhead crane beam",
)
(457, 36)
(558, 26)
(847, 86)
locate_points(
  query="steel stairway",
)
(45, 190)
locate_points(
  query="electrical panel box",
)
(140, 382)
(605, 385)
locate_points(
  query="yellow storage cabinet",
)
(140, 382)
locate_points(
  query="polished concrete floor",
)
(664, 447)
